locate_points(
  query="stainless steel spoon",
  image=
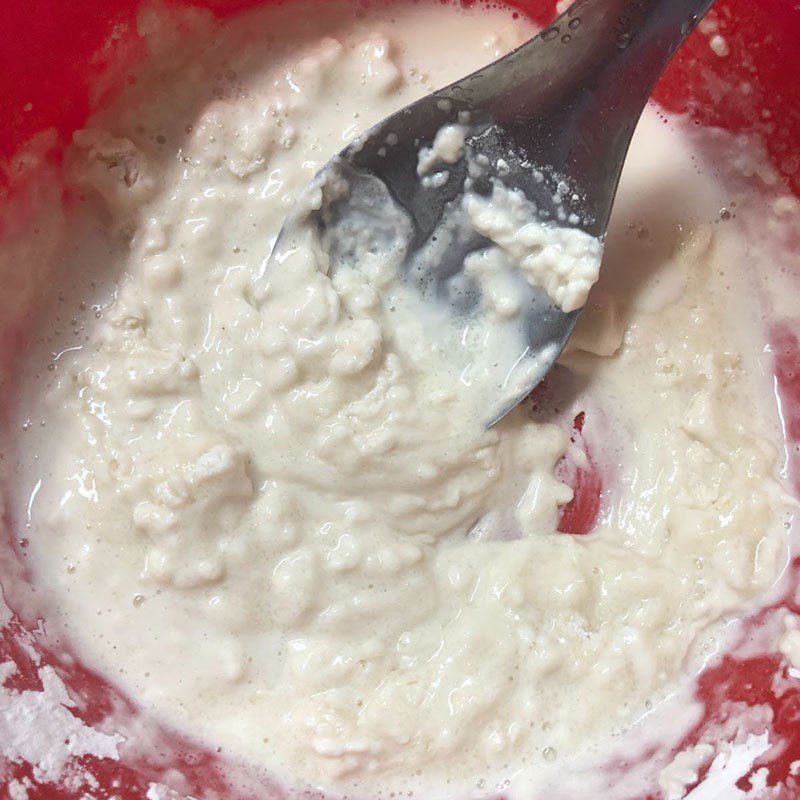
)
(554, 118)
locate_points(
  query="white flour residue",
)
(719, 45)
(17, 790)
(683, 771)
(157, 791)
(447, 147)
(38, 728)
(731, 763)
(565, 262)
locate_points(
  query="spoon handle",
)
(570, 97)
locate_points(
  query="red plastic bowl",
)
(53, 55)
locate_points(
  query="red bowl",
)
(55, 59)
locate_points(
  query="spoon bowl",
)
(548, 125)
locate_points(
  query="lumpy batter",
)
(264, 502)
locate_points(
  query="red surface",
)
(579, 516)
(51, 55)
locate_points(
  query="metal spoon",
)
(554, 118)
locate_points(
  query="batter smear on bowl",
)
(266, 504)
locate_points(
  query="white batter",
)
(274, 514)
